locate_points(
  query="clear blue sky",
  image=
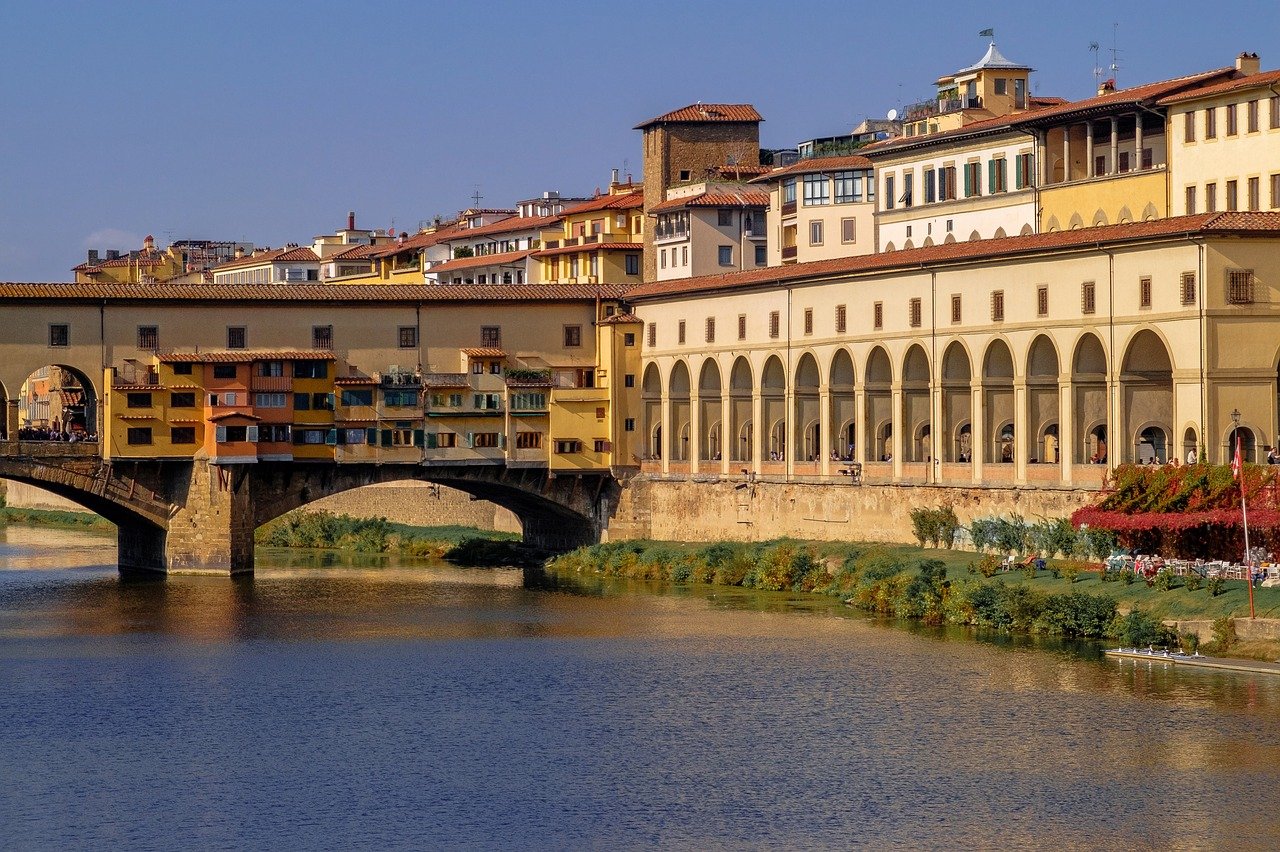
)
(267, 121)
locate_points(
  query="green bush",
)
(1224, 633)
(1127, 576)
(1215, 586)
(1189, 643)
(1193, 582)
(1070, 570)
(1138, 629)
(1164, 581)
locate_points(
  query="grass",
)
(55, 518)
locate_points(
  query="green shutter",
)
(991, 177)
(371, 436)
(1017, 167)
(386, 437)
(331, 437)
(968, 182)
(433, 441)
(418, 438)
(471, 439)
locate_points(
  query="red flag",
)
(1237, 465)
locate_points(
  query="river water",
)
(339, 702)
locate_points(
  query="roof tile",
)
(698, 113)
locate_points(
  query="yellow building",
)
(598, 241)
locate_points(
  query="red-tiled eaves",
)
(1259, 80)
(589, 247)
(620, 319)
(506, 226)
(288, 254)
(461, 263)
(623, 201)
(986, 127)
(418, 241)
(1146, 93)
(753, 198)
(355, 380)
(1201, 224)
(356, 252)
(245, 414)
(698, 113)
(320, 294)
(810, 165)
(484, 352)
(244, 356)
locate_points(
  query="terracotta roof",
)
(715, 198)
(734, 171)
(589, 247)
(308, 293)
(621, 319)
(418, 241)
(215, 418)
(621, 201)
(445, 380)
(809, 165)
(987, 126)
(288, 254)
(1240, 224)
(1041, 101)
(504, 226)
(356, 252)
(484, 352)
(127, 387)
(1264, 78)
(244, 356)
(1147, 92)
(482, 260)
(698, 113)
(355, 380)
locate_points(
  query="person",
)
(1192, 458)
(1273, 455)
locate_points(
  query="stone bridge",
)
(192, 516)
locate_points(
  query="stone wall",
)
(418, 504)
(22, 496)
(691, 510)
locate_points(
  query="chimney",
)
(1248, 63)
(1107, 87)
(239, 252)
(351, 220)
(113, 254)
(613, 179)
(93, 255)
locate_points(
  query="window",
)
(662, 259)
(1210, 198)
(1210, 123)
(842, 319)
(310, 369)
(848, 231)
(742, 326)
(629, 338)
(1251, 116)
(572, 335)
(236, 337)
(1023, 179)
(775, 324)
(182, 368)
(1275, 112)
(808, 320)
(276, 400)
(600, 445)
(726, 255)
(914, 312)
(629, 425)
(711, 330)
(724, 217)
(59, 335)
(789, 191)
(224, 371)
(815, 232)
(848, 187)
(302, 402)
(269, 368)
(322, 337)
(1239, 286)
(408, 336)
(491, 336)
(633, 266)
(1189, 127)
(955, 307)
(762, 256)
(149, 337)
(685, 174)
(528, 440)
(817, 190)
(1002, 86)
(184, 399)
(653, 334)
(400, 398)
(1144, 291)
(1100, 165)
(1232, 122)
(972, 179)
(486, 401)
(1042, 300)
(139, 436)
(947, 183)
(1254, 193)
(1275, 190)
(877, 315)
(908, 188)
(1191, 200)
(565, 446)
(138, 400)
(997, 171)
(629, 380)
(888, 192)
(680, 333)
(1088, 297)
(182, 435)
(997, 306)
(319, 402)
(1233, 194)
(1188, 288)
(352, 397)
(930, 186)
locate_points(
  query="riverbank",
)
(55, 518)
(952, 587)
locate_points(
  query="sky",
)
(267, 121)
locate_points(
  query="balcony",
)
(271, 383)
(788, 253)
(789, 209)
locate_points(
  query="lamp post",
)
(1237, 468)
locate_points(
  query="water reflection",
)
(385, 703)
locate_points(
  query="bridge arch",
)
(56, 398)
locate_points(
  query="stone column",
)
(666, 443)
(727, 441)
(1066, 154)
(860, 426)
(12, 421)
(1113, 166)
(758, 436)
(1088, 149)
(978, 428)
(791, 446)
(1067, 439)
(1137, 140)
(895, 405)
(936, 437)
(695, 427)
(1021, 401)
(825, 442)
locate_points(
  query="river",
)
(354, 702)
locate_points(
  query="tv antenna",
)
(476, 196)
(1115, 55)
(1097, 69)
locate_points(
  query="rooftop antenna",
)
(1115, 55)
(476, 196)
(1097, 69)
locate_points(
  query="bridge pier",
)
(211, 529)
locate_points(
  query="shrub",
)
(1164, 581)
(989, 565)
(1215, 586)
(1078, 614)
(1224, 633)
(1070, 570)
(1137, 629)
(1193, 582)
(1189, 642)
(1127, 577)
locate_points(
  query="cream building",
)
(1038, 360)
(820, 208)
(709, 227)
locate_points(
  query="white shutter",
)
(220, 434)
(251, 434)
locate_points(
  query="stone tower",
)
(682, 145)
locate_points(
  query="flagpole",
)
(1238, 469)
